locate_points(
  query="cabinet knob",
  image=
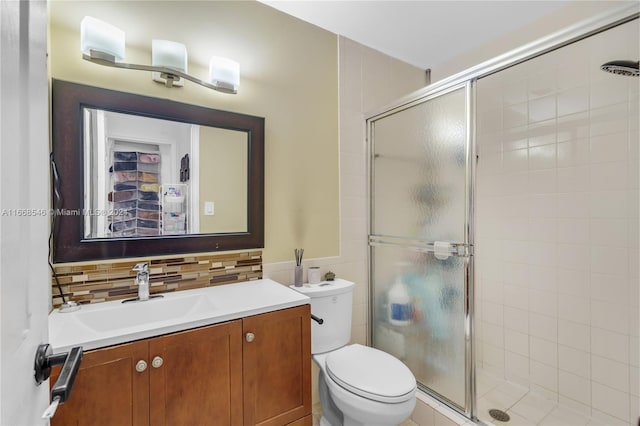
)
(141, 366)
(157, 362)
(250, 337)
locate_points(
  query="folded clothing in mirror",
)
(121, 214)
(148, 167)
(148, 177)
(126, 233)
(135, 194)
(125, 165)
(148, 205)
(121, 177)
(132, 185)
(148, 158)
(143, 157)
(131, 177)
(117, 196)
(147, 196)
(122, 226)
(125, 205)
(148, 214)
(125, 186)
(125, 156)
(149, 187)
(145, 223)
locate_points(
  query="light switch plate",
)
(209, 208)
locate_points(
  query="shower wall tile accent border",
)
(102, 282)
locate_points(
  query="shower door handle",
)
(455, 249)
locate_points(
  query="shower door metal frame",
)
(577, 32)
(574, 33)
(462, 250)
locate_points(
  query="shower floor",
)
(524, 407)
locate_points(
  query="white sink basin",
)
(134, 313)
(111, 323)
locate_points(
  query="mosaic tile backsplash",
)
(102, 282)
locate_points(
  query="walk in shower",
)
(504, 252)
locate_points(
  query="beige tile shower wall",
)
(557, 227)
(105, 281)
(368, 80)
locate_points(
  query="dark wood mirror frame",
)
(69, 245)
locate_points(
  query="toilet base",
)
(341, 408)
(347, 422)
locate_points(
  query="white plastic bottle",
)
(399, 304)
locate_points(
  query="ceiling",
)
(422, 33)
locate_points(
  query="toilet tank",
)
(332, 301)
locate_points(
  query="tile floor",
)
(317, 413)
(524, 407)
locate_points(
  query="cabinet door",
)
(277, 366)
(197, 376)
(305, 421)
(108, 390)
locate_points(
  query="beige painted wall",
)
(368, 80)
(223, 179)
(291, 79)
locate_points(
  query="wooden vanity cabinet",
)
(277, 366)
(305, 421)
(107, 390)
(195, 376)
(252, 371)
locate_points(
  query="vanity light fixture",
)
(104, 44)
(165, 53)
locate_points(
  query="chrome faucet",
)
(142, 280)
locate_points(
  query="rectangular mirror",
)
(149, 177)
(140, 176)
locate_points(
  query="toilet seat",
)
(371, 373)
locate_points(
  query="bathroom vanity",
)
(240, 356)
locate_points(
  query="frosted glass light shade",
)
(165, 53)
(224, 73)
(101, 36)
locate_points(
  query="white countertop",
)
(111, 323)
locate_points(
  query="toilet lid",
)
(371, 373)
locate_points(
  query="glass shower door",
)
(419, 240)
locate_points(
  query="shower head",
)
(625, 68)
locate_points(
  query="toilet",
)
(358, 385)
